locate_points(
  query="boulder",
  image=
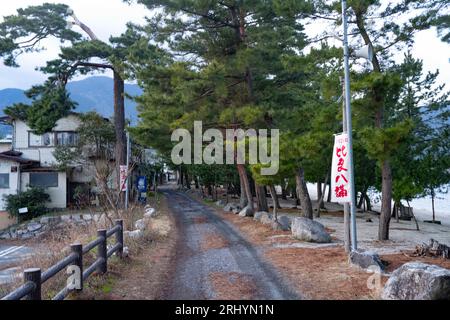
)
(76, 217)
(366, 259)
(231, 207)
(246, 212)
(5, 236)
(308, 230)
(221, 203)
(135, 234)
(258, 215)
(418, 281)
(266, 218)
(140, 224)
(285, 222)
(149, 213)
(87, 217)
(34, 226)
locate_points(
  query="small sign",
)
(123, 178)
(23, 210)
(142, 184)
(339, 170)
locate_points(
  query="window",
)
(66, 138)
(44, 179)
(45, 140)
(4, 180)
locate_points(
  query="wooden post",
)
(34, 276)
(119, 238)
(78, 250)
(102, 251)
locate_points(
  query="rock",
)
(231, 207)
(66, 218)
(258, 215)
(285, 222)
(308, 230)
(149, 213)
(32, 227)
(266, 218)
(44, 220)
(366, 259)
(276, 226)
(221, 203)
(126, 252)
(418, 281)
(140, 224)
(76, 217)
(246, 212)
(136, 234)
(87, 217)
(5, 236)
(27, 235)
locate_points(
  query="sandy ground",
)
(403, 234)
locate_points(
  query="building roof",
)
(16, 156)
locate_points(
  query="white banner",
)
(340, 186)
(123, 178)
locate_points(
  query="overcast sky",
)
(108, 17)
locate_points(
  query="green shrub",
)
(34, 199)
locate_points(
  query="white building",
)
(30, 162)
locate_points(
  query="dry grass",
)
(394, 261)
(54, 245)
(233, 286)
(146, 272)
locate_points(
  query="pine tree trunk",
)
(303, 194)
(386, 202)
(119, 125)
(283, 193)
(243, 195)
(273, 194)
(261, 199)
(319, 190)
(432, 204)
(245, 182)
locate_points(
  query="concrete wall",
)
(42, 154)
(5, 167)
(58, 195)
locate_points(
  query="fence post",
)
(34, 276)
(102, 251)
(119, 237)
(77, 248)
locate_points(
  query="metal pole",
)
(127, 192)
(347, 237)
(348, 113)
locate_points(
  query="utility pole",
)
(127, 192)
(347, 237)
(348, 120)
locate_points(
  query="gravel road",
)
(196, 263)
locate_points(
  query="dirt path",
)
(214, 261)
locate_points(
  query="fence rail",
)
(34, 278)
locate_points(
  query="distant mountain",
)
(91, 94)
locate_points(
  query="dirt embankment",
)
(145, 273)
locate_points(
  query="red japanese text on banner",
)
(340, 186)
(123, 178)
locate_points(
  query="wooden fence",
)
(34, 278)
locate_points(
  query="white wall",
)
(58, 195)
(42, 154)
(5, 167)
